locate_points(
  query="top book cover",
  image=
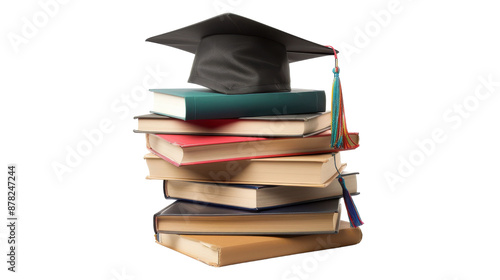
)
(200, 104)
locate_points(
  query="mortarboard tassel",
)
(340, 138)
(352, 211)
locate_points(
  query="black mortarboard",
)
(235, 55)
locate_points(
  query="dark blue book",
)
(182, 217)
(255, 197)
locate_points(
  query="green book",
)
(201, 104)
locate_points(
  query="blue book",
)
(255, 197)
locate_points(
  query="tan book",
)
(221, 250)
(302, 171)
(300, 125)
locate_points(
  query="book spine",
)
(221, 106)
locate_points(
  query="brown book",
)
(221, 250)
(302, 171)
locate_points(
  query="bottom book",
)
(221, 250)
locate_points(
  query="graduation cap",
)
(237, 55)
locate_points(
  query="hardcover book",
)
(182, 217)
(301, 171)
(300, 125)
(196, 149)
(201, 104)
(255, 197)
(221, 250)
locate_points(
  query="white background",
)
(407, 67)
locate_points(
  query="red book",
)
(198, 149)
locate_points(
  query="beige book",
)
(221, 250)
(303, 171)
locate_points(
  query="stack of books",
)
(247, 188)
(252, 163)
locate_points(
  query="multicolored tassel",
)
(352, 211)
(340, 138)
